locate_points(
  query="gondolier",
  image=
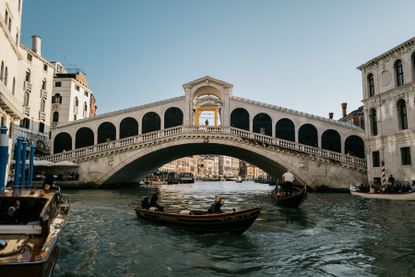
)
(288, 180)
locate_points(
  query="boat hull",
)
(292, 201)
(229, 222)
(406, 196)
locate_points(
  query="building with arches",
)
(389, 108)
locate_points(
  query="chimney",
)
(344, 109)
(331, 115)
(37, 44)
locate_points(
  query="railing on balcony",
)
(42, 116)
(56, 106)
(43, 94)
(26, 110)
(206, 132)
(27, 86)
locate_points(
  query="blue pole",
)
(18, 150)
(32, 157)
(24, 145)
(4, 156)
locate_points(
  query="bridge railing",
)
(174, 131)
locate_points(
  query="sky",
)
(298, 54)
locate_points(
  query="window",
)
(10, 24)
(42, 105)
(74, 117)
(402, 115)
(17, 39)
(57, 99)
(29, 57)
(41, 127)
(371, 85)
(55, 117)
(76, 101)
(85, 107)
(2, 71)
(6, 76)
(45, 67)
(26, 99)
(406, 155)
(58, 84)
(28, 76)
(25, 123)
(14, 86)
(44, 84)
(376, 158)
(399, 73)
(373, 122)
(86, 93)
(77, 87)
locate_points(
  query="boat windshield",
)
(20, 211)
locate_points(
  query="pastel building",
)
(389, 109)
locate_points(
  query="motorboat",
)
(402, 196)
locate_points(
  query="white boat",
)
(402, 196)
(157, 182)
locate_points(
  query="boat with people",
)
(201, 221)
(282, 199)
(378, 194)
(186, 177)
(31, 220)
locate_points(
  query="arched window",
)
(6, 75)
(240, 119)
(85, 107)
(262, 124)
(44, 84)
(354, 146)
(173, 117)
(402, 115)
(26, 98)
(28, 75)
(62, 142)
(330, 140)
(57, 98)
(42, 105)
(2, 71)
(76, 101)
(150, 122)
(373, 122)
(55, 117)
(106, 132)
(307, 134)
(84, 138)
(14, 86)
(399, 73)
(128, 127)
(25, 123)
(284, 129)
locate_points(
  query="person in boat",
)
(154, 200)
(391, 180)
(48, 182)
(217, 204)
(288, 180)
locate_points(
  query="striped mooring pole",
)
(383, 173)
(4, 156)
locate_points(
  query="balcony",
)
(26, 110)
(42, 116)
(56, 106)
(43, 94)
(27, 86)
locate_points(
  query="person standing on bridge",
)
(288, 180)
(154, 200)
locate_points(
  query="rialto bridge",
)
(125, 145)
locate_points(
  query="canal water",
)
(329, 235)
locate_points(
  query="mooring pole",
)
(4, 153)
(24, 146)
(31, 158)
(18, 150)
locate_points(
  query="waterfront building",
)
(389, 108)
(355, 117)
(228, 167)
(72, 98)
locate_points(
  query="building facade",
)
(72, 98)
(389, 108)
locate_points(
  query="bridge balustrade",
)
(174, 131)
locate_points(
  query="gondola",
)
(203, 222)
(400, 196)
(289, 201)
(31, 221)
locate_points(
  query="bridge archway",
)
(173, 117)
(128, 127)
(307, 134)
(151, 122)
(354, 146)
(330, 140)
(262, 124)
(84, 137)
(284, 129)
(106, 132)
(240, 119)
(62, 142)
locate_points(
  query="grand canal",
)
(330, 235)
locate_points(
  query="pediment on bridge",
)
(207, 81)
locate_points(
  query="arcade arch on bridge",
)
(62, 142)
(307, 134)
(284, 129)
(240, 119)
(151, 122)
(84, 137)
(330, 140)
(106, 132)
(173, 117)
(207, 104)
(128, 127)
(262, 124)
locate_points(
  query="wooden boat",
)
(289, 201)
(403, 196)
(30, 225)
(203, 222)
(157, 182)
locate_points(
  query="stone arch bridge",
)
(126, 145)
